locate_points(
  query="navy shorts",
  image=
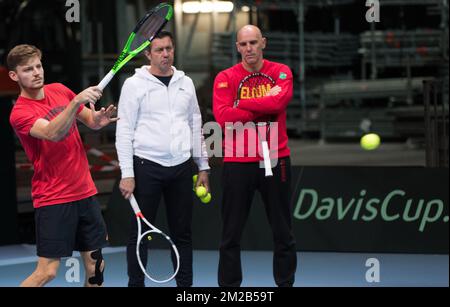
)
(61, 229)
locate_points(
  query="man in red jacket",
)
(242, 174)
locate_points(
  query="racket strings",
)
(148, 30)
(157, 255)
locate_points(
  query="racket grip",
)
(134, 204)
(266, 156)
(106, 80)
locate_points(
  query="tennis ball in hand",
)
(194, 181)
(370, 141)
(201, 191)
(206, 199)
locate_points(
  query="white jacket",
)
(158, 123)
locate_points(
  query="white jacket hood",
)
(144, 73)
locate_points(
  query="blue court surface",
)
(315, 269)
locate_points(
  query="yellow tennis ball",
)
(149, 238)
(206, 199)
(370, 141)
(201, 191)
(194, 181)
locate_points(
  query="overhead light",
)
(194, 7)
(245, 9)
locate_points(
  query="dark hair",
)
(20, 54)
(161, 35)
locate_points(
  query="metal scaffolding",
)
(378, 50)
(436, 124)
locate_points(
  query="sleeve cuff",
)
(127, 173)
(202, 165)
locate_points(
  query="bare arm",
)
(57, 128)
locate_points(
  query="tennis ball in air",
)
(201, 191)
(370, 141)
(206, 199)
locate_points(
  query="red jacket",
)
(251, 109)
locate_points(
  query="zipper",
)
(170, 114)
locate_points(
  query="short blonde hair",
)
(20, 55)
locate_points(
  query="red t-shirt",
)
(251, 109)
(61, 169)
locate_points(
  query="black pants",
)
(175, 184)
(240, 181)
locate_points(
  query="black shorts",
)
(61, 229)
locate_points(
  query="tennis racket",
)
(257, 85)
(155, 274)
(141, 37)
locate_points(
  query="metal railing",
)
(436, 124)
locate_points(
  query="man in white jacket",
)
(158, 134)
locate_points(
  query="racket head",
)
(163, 259)
(150, 25)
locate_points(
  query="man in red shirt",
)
(67, 215)
(242, 174)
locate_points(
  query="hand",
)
(203, 180)
(274, 91)
(127, 186)
(89, 95)
(103, 117)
